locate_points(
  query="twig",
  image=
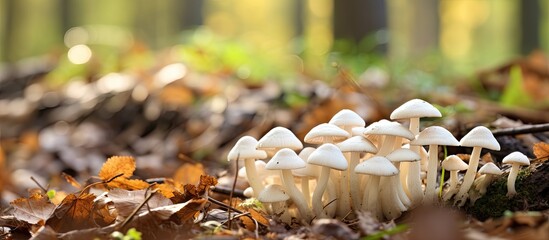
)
(102, 182)
(223, 205)
(137, 209)
(221, 190)
(522, 130)
(39, 185)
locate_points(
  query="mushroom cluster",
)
(349, 166)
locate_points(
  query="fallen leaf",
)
(126, 202)
(34, 209)
(167, 189)
(194, 191)
(117, 165)
(44, 233)
(193, 206)
(189, 173)
(541, 150)
(254, 215)
(79, 212)
(71, 180)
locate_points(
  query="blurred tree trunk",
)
(318, 32)
(413, 28)
(3, 29)
(32, 28)
(544, 25)
(529, 26)
(157, 21)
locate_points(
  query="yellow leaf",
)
(189, 173)
(541, 150)
(117, 165)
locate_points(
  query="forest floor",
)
(167, 141)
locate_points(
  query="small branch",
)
(522, 130)
(232, 191)
(226, 191)
(223, 205)
(137, 209)
(102, 182)
(39, 185)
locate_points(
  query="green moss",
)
(495, 202)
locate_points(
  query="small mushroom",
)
(355, 145)
(328, 157)
(376, 167)
(454, 164)
(286, 160)
(433, 136)
(245, 149)
(479, 137)
(516, 159)
(278, 138)
(489, 170)
(414, 110)
(392, 208)
(277, 197)
(307, 173)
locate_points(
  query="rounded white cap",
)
(435, 135)
(490, 168)
(377, 166)
(310, 170)
(285, 159)
(480, 137)
(273, 193)
(248, 192)
(415, 108)
(403, 155)
(454, 163)
(516, 157)
(245, 148)
(328, 155)
(347, 118)
(357, 144)
(323, 131)
(385, 127)
(279, 137)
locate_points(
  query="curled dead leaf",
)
(196, 191)
(34, 210)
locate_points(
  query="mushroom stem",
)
(332, 196)
(371, 199)
(414, 169)
(511, 191)
(452, 189)
(432, 170)
(469, 177)
(399, 188)
(390, 201)
(280, 209)
(483, 186)
(355, 181)
(319, 190)
(251, 175)
(344, 199)
(296, 195)
(305, 189)
(387, 145)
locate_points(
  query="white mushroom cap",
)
(357, 131)
(328, 155)
(279, 137)
(385, 127)
(403, 155)
(285, 159)
(248, 192)
(454, 163)
(490, 168)
(273, 193)
(415, 108)
(516, 157)
(480, 137)
(435, 135)
(310, 170)
(357, 144)
(321, 132)
(245, 148)
(347, 118)
(377, 166)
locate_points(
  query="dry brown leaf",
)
(71, 180)
(192, 207)
(37, 208)
(126, 202)
(197, 191)
(254, 215)
(79, 212)
(129, 184)
(189, 173)
(166, 189)
(117, 165)
(541, 150)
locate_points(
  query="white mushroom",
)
(454, 164)
(307, 173)
(328, 156)
(414, 110)
(376, 167)
(489, 170)
(286, 160)
(245, 149)
(516, 159)
(354, 146)
(389, 196)
(479, 137)
(277, 197)
(278, 138)
(433, 136)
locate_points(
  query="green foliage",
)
(252, 203)
(514, 94)
(51, 193)
(388, 232)
(131, 234)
